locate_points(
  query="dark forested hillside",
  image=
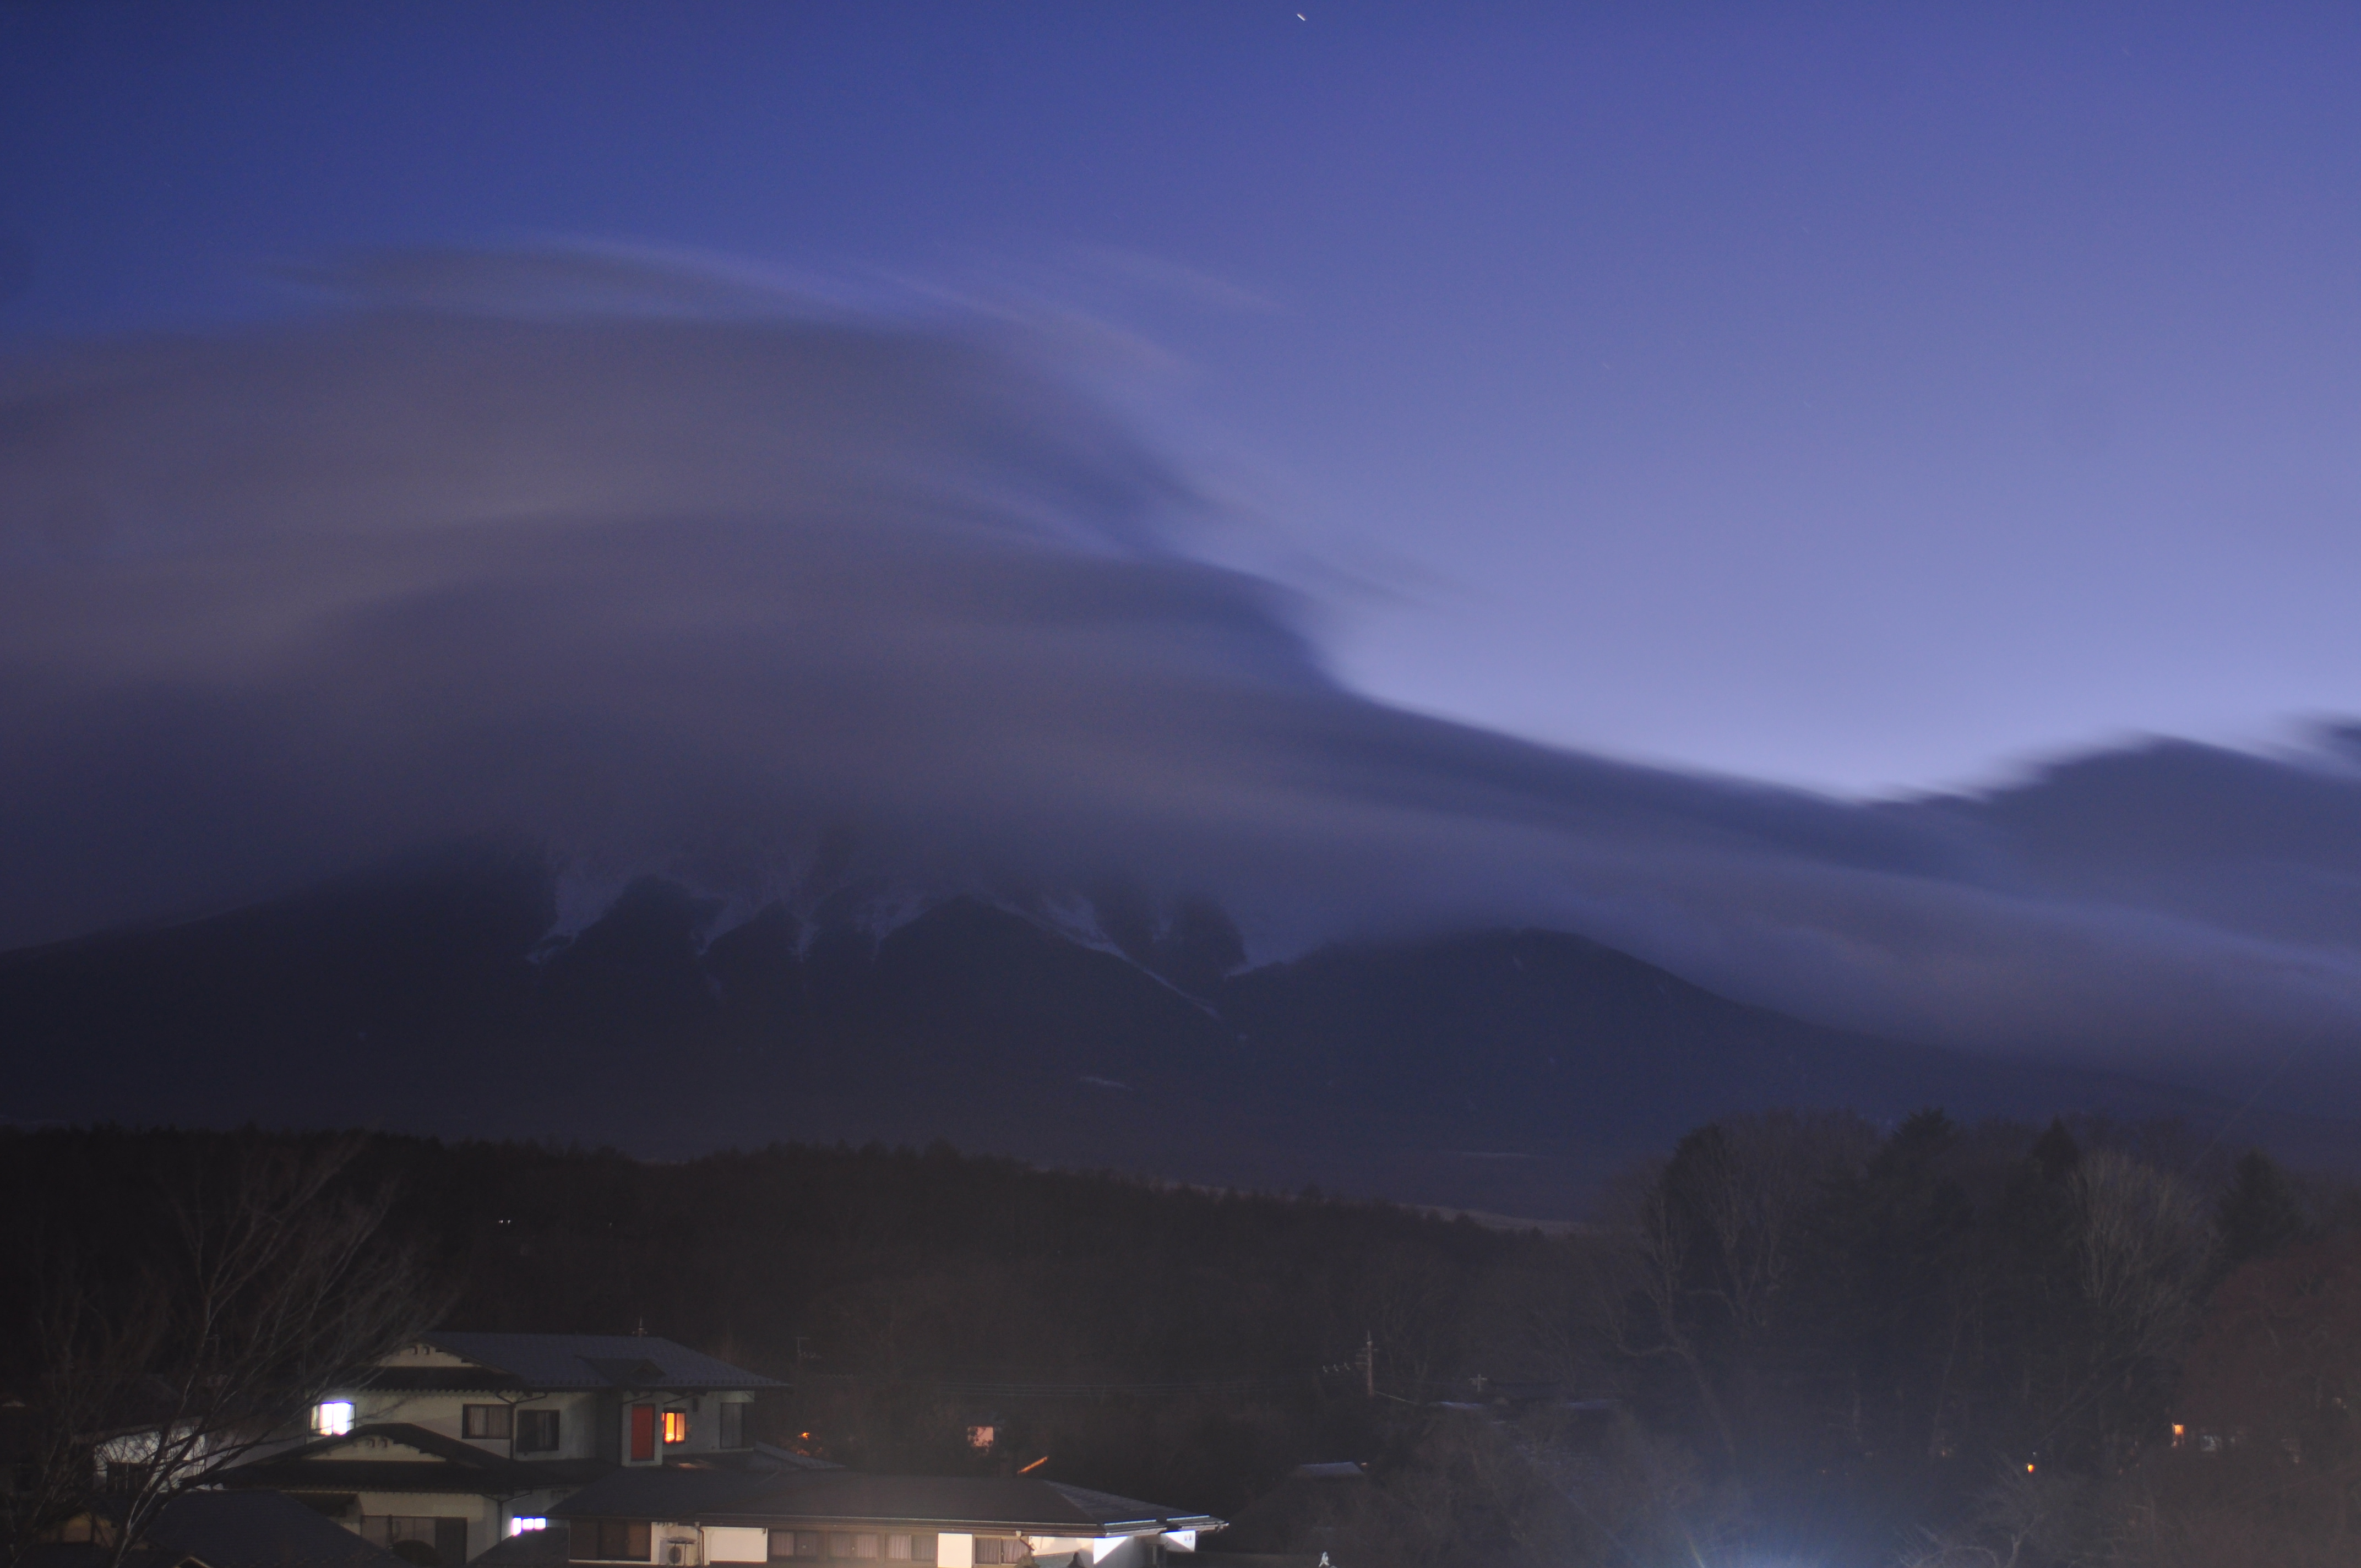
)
(1794, 1338)
(902, 1290)
(1507, 1070)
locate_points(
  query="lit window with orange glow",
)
(675, 1426)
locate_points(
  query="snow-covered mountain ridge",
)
(433, 1000)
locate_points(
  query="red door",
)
(643, 1431)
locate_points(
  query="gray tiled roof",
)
(233, 1530)
(590, 1361)
(261, 1529)
(526, 1549)
(946, 1502)
(1108, 1508)
(86, 1555)
(453, 1467)
(674, 1492)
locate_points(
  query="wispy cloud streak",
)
(661, 570)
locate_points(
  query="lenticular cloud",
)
(666, 574)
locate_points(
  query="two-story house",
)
(765, 1515)
(459, 1441)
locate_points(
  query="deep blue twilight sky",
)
(1865, 398)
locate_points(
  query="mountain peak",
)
(424, 999)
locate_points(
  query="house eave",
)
(1074, 1528)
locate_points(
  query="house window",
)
(1002, 1549)
(610, 1540)
(675, 1426)
(333, 1418)
(852, 1543)
(733, 1426)
(980, 1436)
(484, 1420)
(787, 1543)
(122, 1477)
(910, 1549)
(536, 1432)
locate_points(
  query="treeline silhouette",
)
(1796, 1334)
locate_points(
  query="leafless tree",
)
(1643, 1304)
(2029, 1521)
(1713, 1235)
(267, 1283)
(2145, 1243)
(1471, 1493)
(1410, 1305)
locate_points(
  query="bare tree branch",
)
(272, 1283)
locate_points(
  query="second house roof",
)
(551, 1363)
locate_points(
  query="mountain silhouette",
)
(1502, 1070)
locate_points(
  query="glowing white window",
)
(519, 1525)
(333, 1418)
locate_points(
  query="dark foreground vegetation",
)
(1796, 1338)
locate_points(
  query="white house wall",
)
(424, 1355)
(725, 1544)
(378, 1450)
(579, 1419)
(445, 1414)
(1112, 1551)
